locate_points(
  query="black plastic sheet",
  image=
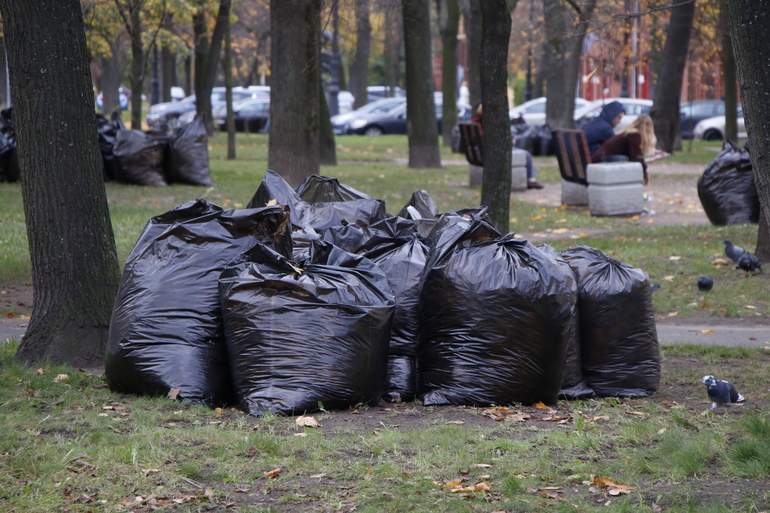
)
(140, 158)
(396, 247)
(494, 318)
(107, 134)
(166, 327)
(188, 155)
(306, 335)
(618, 339)
(9, 159)
(727, 190)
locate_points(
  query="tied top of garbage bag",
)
(422, 207)
(727, 190)
(166, 326)
(324, 189)
(309, 333)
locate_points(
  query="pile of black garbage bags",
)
(154, 158)
(316, 298)
(537, 140)
(727, 190)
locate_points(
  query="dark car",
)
(341, 122)
(394, 121)
(694, 112)
(250, 116)
(162, 114)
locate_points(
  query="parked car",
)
(251, 115)
(161, 114)
(692, 113)
(713, 129)
(376, 92)
(394, 120)
(340, 122)
(533, 111)
(632, 106)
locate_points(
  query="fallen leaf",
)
(720, 262)
(669, 278)
(307, 421)
(61, 377)
(559, 230)
(672, 314)
(218, 412)
(273, 473)
(540, 405)
(704, 332)
(40, 371)
(455, 422)
(300, 434)
(173, 394)
(674, 258)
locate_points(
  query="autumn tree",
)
(104, 31)
(496, 181)
(359, 70)
(75, 270)
(749, 22)
(729, 76)
(471, 12)
(448, 22)
(207, 55)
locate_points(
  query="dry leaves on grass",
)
(307, 421)
(605, 484)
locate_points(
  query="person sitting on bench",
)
(602, 127)
(630, 144)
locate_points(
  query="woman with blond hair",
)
(630, 144)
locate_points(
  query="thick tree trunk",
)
(496, 181)
(167, 64)
(750, 28)
(111, 83)
(421, 125)
(564, 44)
(449, 20)
(228, 71)
(730, 78)
(72, 248)
(359, 70)
(665, 109)
(207, 58)
(294, 147)
(472, 15)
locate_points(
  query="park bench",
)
(471, 143)
(608, 189)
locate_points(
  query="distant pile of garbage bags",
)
(315, 297)
(131, 156)
(727, 190)
(538, 140)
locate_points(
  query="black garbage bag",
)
(188, 155)
(274, 187)
(166, 328)
(306, 335)
(573, 384)
(494, 319)
(545, 142)
(324, 189)
(9, 159)
(346, 236)
(727, 190)
(107, 134)
(398, 249)
(140, 158)
(618, 340)
(422, 207)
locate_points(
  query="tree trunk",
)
(137, 66)
(421, 125)
(449, 20)
(207, 58)
(167, 63)
(750, 28)
(564, 43)
(111, 83)
(496, 181)
(72, 248)
(729, 74)
(665, 109)
(472, 15)
(294, 147)
(327, 144)
(228, 71)
(359, 71)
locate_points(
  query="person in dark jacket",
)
(630, 144)
(602, 127)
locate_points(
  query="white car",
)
(713, 129)
(533, 111)
(632, 106)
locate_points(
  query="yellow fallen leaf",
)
(173, 393)
(218, 412)
(307, 421)
(672, 314)
(559, 230)
(581, 234)
(669, 278)
(674, 258)
(540, 405)
(704, 332)
(273, 473)
(40, 371)
(61, 377)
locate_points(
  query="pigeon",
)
(733, 251)
(721, 393)
(705, 283)
(749, 263)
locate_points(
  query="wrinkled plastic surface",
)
(308, 334)
(396, 247)
(107, 134)
(422, 204)
(349, 237)
(188, 155)
(140, 158)
(494, 319)
(573, 384)
(618, 339)
(9, 160)
(727, 190)
(166, 327)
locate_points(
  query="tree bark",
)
(472, 14)
(294, 147)
(750, 28)
(665, 109)
(207, 58)
(730, 79)
(359, 70)
(111, 82)
(72, 248)
(421, 124)
(564, 44)
(496, 181)
(228, 71)
(449, 20)
(137, 63)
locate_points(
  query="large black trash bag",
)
(306, 335)
(349, 237)
(618, 340)
(422, 205)
(494, 319)
(107, 134)
(166, 328)
(573, 385)
(397, 248)
(9, 159)
(140, 158)
(188, 155)
(727, 190)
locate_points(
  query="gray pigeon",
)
(733, 251)
(749, 263)
(721, 393)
